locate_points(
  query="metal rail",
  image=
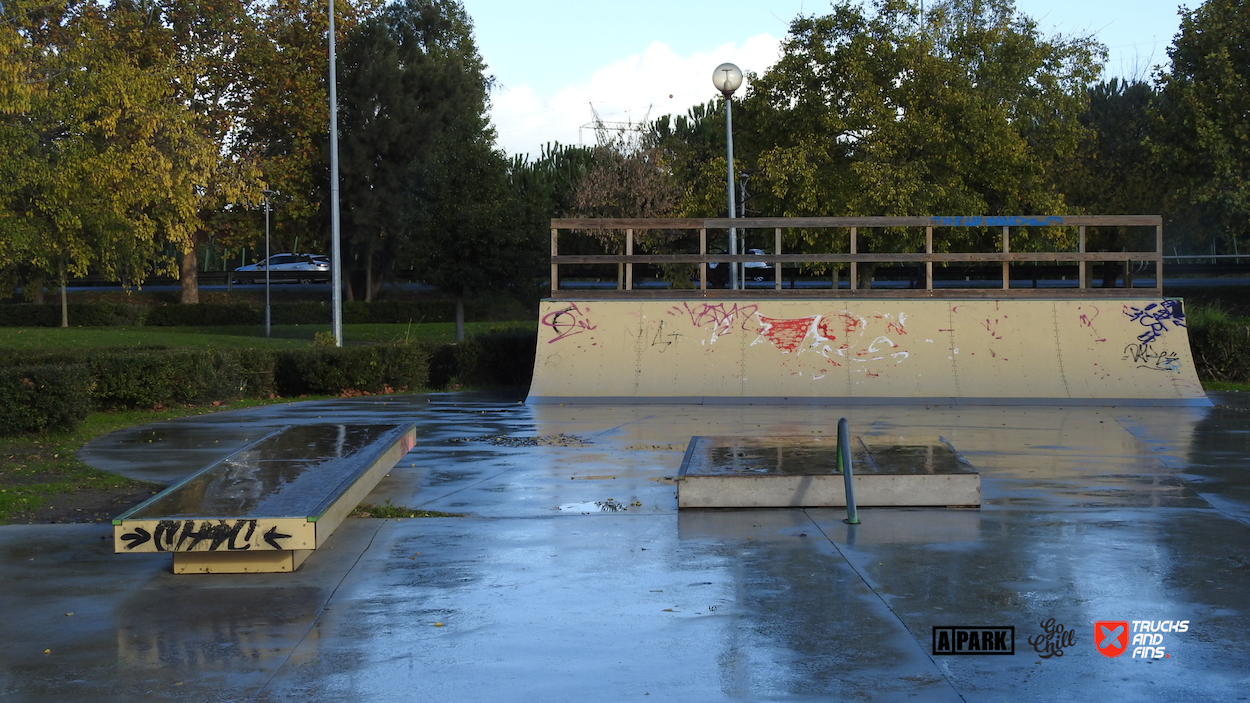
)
(844, 464)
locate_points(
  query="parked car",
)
(304, 268)
(718, 276)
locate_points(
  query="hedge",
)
(85, 314)
(500, 358)
(55, 390)
(1220, 344)
(36, 398)
(150, 379)
(372, 369)
(203, 315)
(285, 313)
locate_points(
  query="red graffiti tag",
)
(786, 335)
(1088, 321)
(828, 323)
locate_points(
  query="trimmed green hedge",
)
(55, 390)
(35, 398)
(202, 315)
(372, 369)
(84, 314)
(221, 314)
(149, 379)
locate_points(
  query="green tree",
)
(285, 121)
(552, 178)
(964, 109)
(1206, 98)
(471, 233)
(196, 44)
(1115, 170)
(412, 80)
(85, 167)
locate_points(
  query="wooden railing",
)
(926, 259)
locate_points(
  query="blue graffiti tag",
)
(995, 221)
(1156, 317)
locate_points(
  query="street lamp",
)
(727, 77)
(267, 261)
(336, 268)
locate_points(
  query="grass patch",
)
(391, 511)
(1226, 386)
(40, 473)
(237, 336)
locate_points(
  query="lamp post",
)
(727, 77)
(336, 270)
(267, 262)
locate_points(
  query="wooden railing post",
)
(854, 266)
(1006, 264)
(1159, 258)
(928, 265)
(629, 265)
(703, 264)
(1083, 264)
(555, 251)
(777, 264)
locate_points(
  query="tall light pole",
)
(336, 268)
(727, 77)
(267, 261)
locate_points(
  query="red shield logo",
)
(1111, 637)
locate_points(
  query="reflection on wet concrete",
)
(1089, 514)
(818, 456)
(288, 474)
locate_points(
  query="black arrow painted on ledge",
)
(139, 537)
(272, 537)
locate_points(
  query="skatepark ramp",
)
(268, 505)
(943, 339)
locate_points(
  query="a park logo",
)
(1111, 637)
(974, 640)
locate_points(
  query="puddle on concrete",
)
(597, 506)
(504, 440)
(816, 456)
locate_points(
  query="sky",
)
(641, 59)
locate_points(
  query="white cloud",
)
(658, 82)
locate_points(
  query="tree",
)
(628, 177)
(1206, 97)
(966, 108)
(85, 167)
(285, 121)
(694, 151)
(412, 81)
(196, 44)
(471, 233)
(552, 178)
(1116, 169)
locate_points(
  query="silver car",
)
(304, 268)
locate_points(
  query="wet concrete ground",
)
(574, 578)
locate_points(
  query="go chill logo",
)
(1146, 637)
